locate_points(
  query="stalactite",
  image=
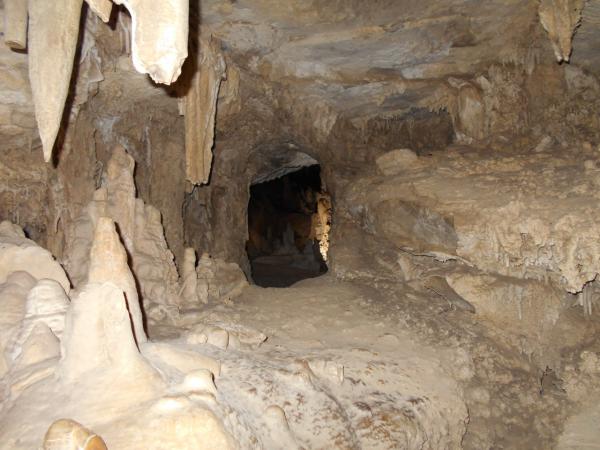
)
(53, 33)
(201, 109)
(560, 19)
(159, 37)
(102, 8)
(15, 24)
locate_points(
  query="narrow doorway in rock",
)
(288, 228)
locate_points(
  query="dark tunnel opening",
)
(288, 228)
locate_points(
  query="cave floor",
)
(376, 365)
(283, 270)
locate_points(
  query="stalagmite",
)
(102, 8)
(53, 34)
(201, 109)
(108, 262)
(98, 336)
(15, 24)
(560, 18)
(189, 278)
(160, 37)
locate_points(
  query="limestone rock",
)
(560, 19)
(177, 423)
(109, 264)
(159, 37)
(53, 34)
(46, 305)
(140, 228)
(98, 335)
(413, 226)
(102, 8)
(13, 294)
(471, 112)
(396, 161)
(15, 24)
(199, 381)
(201, 109)
(184, 361)
(224, 280)
(66, 434)
(17, 253)
(40, 344)
(189, 279)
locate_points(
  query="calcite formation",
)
(108, 262)
(139, 228)
(201, 109)
(102, 8)
(15, 24)
(159, 37)
(19, 253)
(53, 34)
(560, 19)
(447, 166)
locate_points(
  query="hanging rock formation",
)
(102, 8)
(160, 40)
(560, 18)
(15, 24)
(201, 110)
(53, 33)
(159, 37)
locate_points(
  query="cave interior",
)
(291, 224)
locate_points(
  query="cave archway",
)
(289, 217)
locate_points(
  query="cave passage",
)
(288, 228)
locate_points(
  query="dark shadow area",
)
(288, 225)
